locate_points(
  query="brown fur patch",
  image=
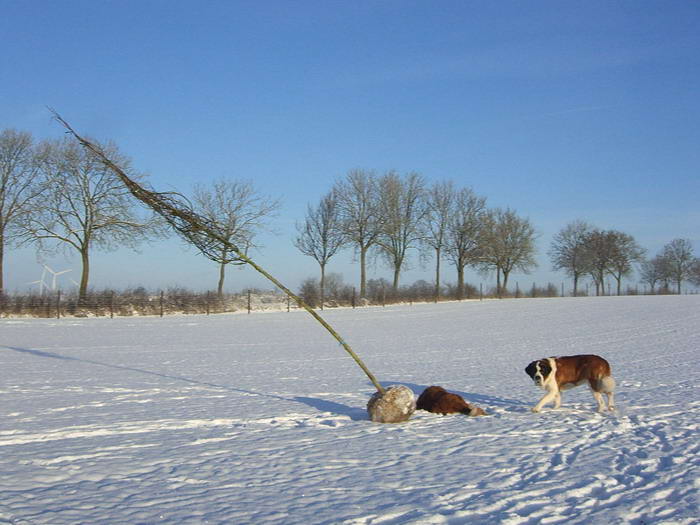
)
(579, 368)
(439, 401)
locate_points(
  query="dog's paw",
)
(535, 410)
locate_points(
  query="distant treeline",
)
(142, 302)
(55, 195)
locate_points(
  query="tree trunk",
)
(395, 285)
(460, 282)
(363, 272)
(505, 282)
(323, 284)
(2, 265)
(82, 291)
(498, 283)
(599, 280)
(575, 285)
(220, 285)
(437, 274)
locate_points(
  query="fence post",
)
(161, 303)
(111, 305)
(249, 301)
(207, 300)
(562, 289)
(354, 296)
(289, 299)
(481, 291)
(58, 304)
(383, 295)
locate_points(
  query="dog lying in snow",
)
(555, 374)
(439, 401)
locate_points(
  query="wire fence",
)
(114, 304)
(140, 302)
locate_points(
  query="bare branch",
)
(203, 233)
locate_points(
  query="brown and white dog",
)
(555, 374)
(438, 400)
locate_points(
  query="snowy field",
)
(257, 419)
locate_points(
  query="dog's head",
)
(539, 371)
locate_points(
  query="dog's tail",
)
(605, 384)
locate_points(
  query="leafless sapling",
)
(205, 235)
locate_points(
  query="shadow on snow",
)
(356, 414)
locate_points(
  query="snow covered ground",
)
(256, 419)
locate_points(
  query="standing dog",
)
(555, 374)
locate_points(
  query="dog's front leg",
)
(551, 395)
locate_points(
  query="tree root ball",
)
(395, 405)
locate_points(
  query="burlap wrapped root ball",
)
(395, 405)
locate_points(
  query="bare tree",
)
(612, 253)
(321, 235)
(625, 252)
(568, 251)
(654, 271)
(465, 233)
(440, 206)
(680, 259)
(18, 186)
(694, 276)
(599, 252)
(238, 212)
(83, 206)
(205, 237)
(509, 244)
(361, 215)
(403, 201)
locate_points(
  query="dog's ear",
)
(531, 369)
(545, 367)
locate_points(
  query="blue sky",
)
(560, 110)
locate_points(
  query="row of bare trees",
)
(582, 250)
(56, 196)
(390, 215)
(673, 265)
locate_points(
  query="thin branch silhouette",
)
(201, 232)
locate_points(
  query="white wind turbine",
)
(55, 274)
(41, 282)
